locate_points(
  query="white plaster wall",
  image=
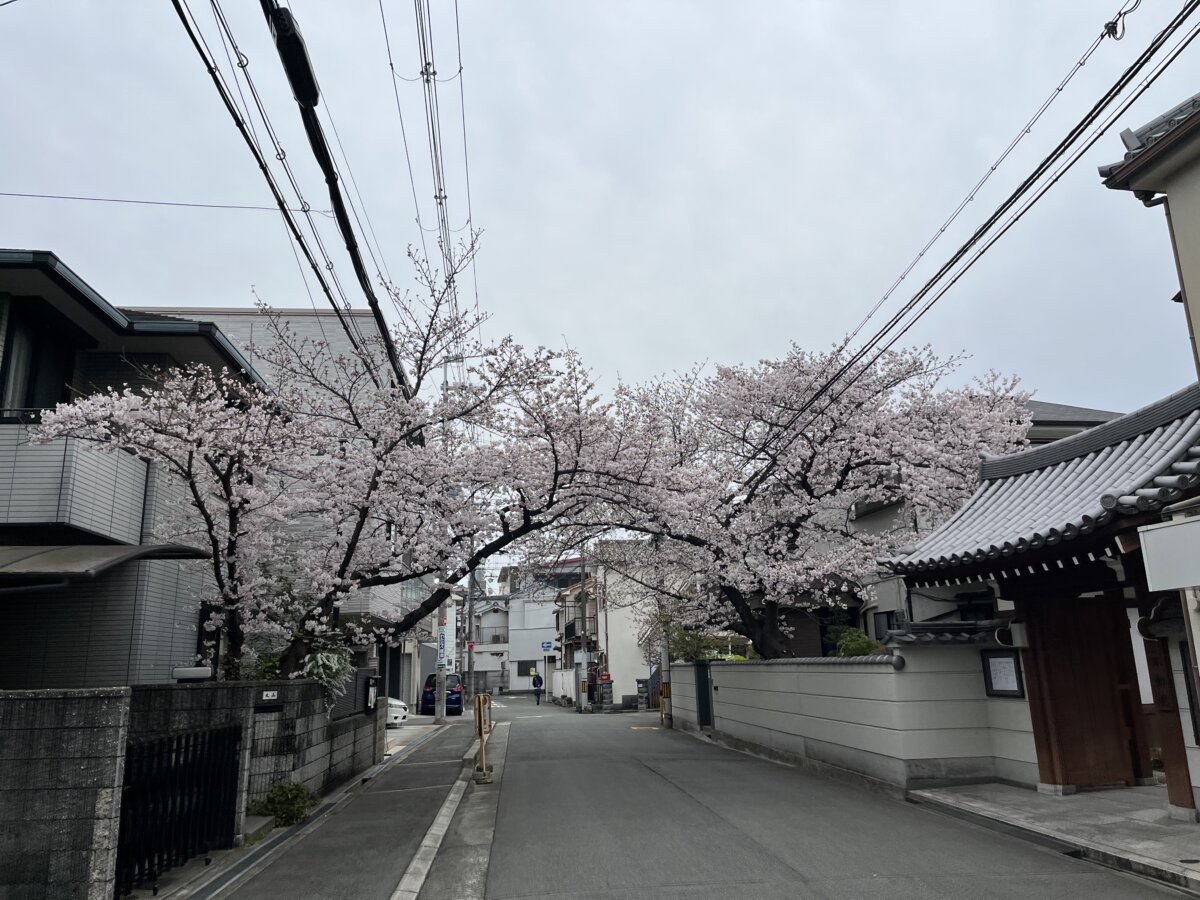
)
(1179, 672)
(929, 721)
(530, 622)
(683, 695)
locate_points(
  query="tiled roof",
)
(1044, 412)
(1141, 139)
(1152, 142)
(1133, 464)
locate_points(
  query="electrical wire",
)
(294, 57)
(1026, 185)
(349, 324)
(194, 34)
(462, 101)
(1109, 30)
(403, 131)
(140, 202)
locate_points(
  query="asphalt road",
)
(599, 806)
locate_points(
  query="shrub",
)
(856, 642)
(287, 802)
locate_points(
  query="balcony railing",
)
(68, 481)
(492, 635)
(575, 629)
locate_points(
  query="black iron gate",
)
(179, 801)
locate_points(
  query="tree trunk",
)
(760, 624)
(235, 639)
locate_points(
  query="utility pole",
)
(469, 631)
(664, 689)
(439, 687)
(585, 681)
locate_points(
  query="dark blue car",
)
(454, 695)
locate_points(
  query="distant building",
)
(400, 667)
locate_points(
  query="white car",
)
(397, 711)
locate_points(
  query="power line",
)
(462, 101)
(350, 325)
(1026, 185)
(188, 21)
(294, 56)
(140, 202)
(1110, 29)
(403, 132)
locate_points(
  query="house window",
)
(527, 668)
(38, 362)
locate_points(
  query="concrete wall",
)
(288, 738)
(626, 662)
(62, 760)
(929, 723)
(530, 622)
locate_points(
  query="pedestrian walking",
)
(537, 687)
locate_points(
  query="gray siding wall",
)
(132, 625)
(70, 482)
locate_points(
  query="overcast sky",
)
(659, 183)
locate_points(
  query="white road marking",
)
(418, 870)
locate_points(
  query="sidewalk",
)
(1126, 828)
(362, 847)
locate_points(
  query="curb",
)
(422, 862)
(256, 857)
(1131, 863)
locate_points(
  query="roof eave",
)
(1121, 176)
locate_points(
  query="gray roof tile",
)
(1132, 464)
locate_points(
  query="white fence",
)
(929, 722)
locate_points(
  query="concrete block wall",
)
(929, 723)
(62, 760)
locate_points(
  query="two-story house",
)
(90, 599)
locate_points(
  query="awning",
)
(74, 561)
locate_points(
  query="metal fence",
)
(179, 801)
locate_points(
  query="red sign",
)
(604, 676)
(470, 645)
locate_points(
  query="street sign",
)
(470, 645)
(547, 645)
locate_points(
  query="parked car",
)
(397, 711)
(454, 695)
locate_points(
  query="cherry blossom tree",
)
(343, 477)
(749, 512)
